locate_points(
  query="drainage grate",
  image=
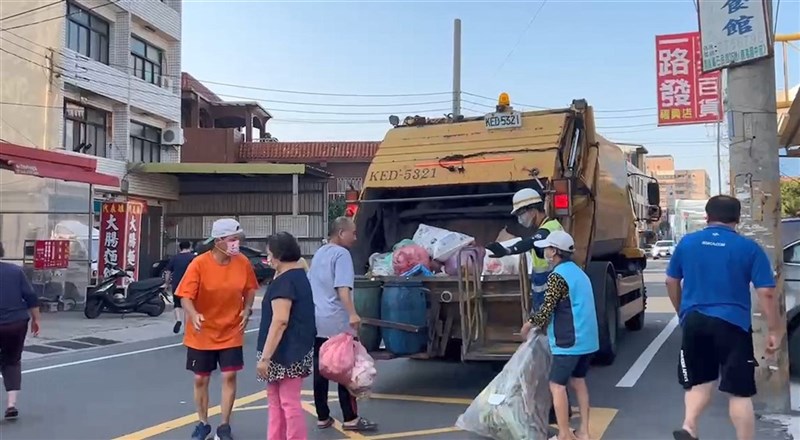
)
(42, 349)
(72, 345)
(96, 341)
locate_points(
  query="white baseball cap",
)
(557, 239)
(224, 227)
(524, 198)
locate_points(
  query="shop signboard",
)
(734, 32)
(112, 237)
(133, 238)
(685, 94)
(51, 254)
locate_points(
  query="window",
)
(791, 254)
(85, 129)
(146, 61)
(145, 143)
(87, 34)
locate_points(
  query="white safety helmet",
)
(524, 198)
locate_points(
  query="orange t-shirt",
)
(218, 293)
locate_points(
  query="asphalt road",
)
(142, 391)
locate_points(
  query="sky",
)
(541, 53)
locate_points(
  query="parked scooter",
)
(146, 296)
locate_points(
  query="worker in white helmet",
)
(528, 207)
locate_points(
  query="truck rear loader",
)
(460, 175)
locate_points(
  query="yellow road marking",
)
(408, 398)
(188, 420)
(414, 433)
(659, 304)
(250, 408)
(309, 408)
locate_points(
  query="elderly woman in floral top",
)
(286, 339)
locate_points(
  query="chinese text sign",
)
(120, 234)
(51, 254)
(733, 32)
(685, 94)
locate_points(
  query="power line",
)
(345, 95)
(45, 20)
(38, 8)
(522, 35)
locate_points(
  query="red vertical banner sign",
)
(134, 235)
(685, 95)
(112, 238)
(51, 254)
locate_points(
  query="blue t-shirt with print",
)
(717, 266)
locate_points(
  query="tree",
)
(336, 208)
(790, 198)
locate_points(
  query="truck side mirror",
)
(653, 194)
(654, 213)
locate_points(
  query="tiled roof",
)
(191, 84)
(309, 151)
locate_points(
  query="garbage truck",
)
(459, 174)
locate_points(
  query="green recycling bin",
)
(367, 299)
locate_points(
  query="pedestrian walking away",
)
(19, 306)
(217, 293)
(332, 278)
(716, 267)
(570, 316)
(286, 339)
(528, 207)
(176, 268)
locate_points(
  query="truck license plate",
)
(495, 121)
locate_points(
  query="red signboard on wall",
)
(51, 254)
(120, 234)
(685, 95)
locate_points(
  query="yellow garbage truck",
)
(460, 175)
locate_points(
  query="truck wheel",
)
(605, 300)
(637, 322)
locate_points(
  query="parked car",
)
(790, 238)
(662, 249)
(264, 272)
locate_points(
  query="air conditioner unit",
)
(172, 136)
(166, 82)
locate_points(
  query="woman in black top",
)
(18, 305)
(286, 339)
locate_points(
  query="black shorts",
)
(566, 366)
(176, 301)
(713, 349)
(203, 362)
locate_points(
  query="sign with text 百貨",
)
(733, 32)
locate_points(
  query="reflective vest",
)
(541, 268)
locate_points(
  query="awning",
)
(53, 165)
(252, 169)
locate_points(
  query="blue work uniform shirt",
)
(717, 266)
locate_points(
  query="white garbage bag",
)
(508, 265)
(516, 404)
(440, 243)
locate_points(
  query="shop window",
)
(87, 33)
(86, 129)
(145, 143)
(147, 61)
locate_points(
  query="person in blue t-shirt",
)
(173, 274)
(717, 266)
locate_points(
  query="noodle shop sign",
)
(120, 237)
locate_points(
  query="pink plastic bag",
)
(337, 357)
(364, 372)
(409, 256)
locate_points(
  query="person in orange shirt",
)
(217, 293)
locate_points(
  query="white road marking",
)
(112, 356)
(637, 369)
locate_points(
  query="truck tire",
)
(605, 301)
(637, 322)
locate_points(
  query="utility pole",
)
(756, 183)
(719, 158)
(456, 69)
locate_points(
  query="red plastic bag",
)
(337, 357)
(409, 256)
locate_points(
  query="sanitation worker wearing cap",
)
(217, 293)
(528, 207)
(570, 317)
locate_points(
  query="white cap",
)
(224, 227)
(524, 198)
(557, 239)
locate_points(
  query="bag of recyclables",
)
(516, 404)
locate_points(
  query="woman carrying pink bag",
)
(286, 339)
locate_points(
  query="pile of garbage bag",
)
(516, 404)
(344, 360)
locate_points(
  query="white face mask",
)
(525, 219)
(549, 254)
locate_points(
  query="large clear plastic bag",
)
(516, 404)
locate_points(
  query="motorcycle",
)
(146, 296)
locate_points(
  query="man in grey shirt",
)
(332, 277)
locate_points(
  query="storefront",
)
(47, 195)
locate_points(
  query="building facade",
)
(100, 80)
